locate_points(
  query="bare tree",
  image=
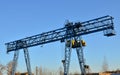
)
(105, 65)
(9, 67)
(40, 71)
(2, 68)
(37, 70)
(60, 71)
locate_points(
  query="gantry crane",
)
(70, 34)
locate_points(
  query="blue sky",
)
(23, 18)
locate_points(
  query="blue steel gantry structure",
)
(71, 31)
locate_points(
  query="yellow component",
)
(83, 43)
(73, 42)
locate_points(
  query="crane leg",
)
(67, 59)
(27, 60)
(81, 60)
(14, 64)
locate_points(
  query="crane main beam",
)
(104, 23)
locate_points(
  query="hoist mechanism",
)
(75, 43)
(70, 34)
(78, 44)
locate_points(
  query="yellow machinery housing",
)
(75, 43)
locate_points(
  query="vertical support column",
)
(81, 60)
(67, 58)
(27, 60)
(80, 55)
(14, 64)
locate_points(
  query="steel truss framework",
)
(79, 51)
(71, 30)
